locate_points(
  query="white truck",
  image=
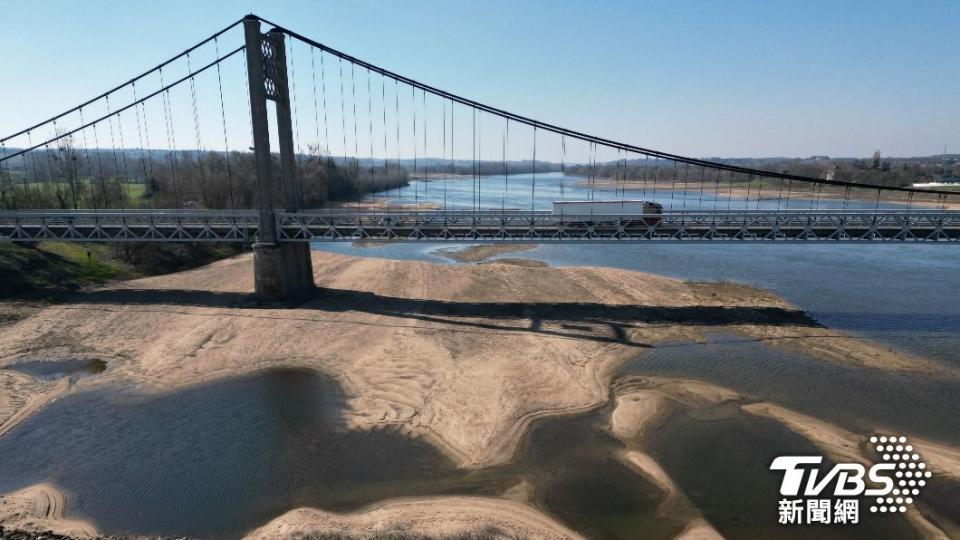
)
(607, 208)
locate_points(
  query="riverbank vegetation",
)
(875, 171)
(68, 178)
(45, 268)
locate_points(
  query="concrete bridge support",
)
(282, 270)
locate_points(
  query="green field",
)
(133, 190)
(58, 266)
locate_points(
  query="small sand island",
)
(464, 357)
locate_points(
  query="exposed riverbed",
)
(406, 379)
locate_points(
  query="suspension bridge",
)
(183, 153)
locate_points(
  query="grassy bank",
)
(32, 270)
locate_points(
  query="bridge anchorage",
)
(443, 168)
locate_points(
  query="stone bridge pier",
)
(282, 270)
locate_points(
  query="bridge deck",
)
(483, 226)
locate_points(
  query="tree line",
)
(68, 177)
(875, 171)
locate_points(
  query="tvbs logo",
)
(813, 497)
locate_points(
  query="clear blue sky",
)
(701, 78)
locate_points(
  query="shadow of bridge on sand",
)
(574, 320)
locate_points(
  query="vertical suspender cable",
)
(223, 119)
(479, 158)
(143, 157)
(167, 112)
(716, 191)
(316, 109)
(123, 149)
(356, 139)
(113, 145)
(656, 176)
(503, 198)
(506, 164)
(383, 104)
(26, 173)
(563, 167)
(370, 136)
(533, 185)
(413, 112)
(686, 183)
(426, 151)
(703, 178)
(196, 129)
(452, 158)
(296, 114)
(593, 168)
(444, 104)
(730, 192)
(646, 168)
(86, 149)
(473, 165)
(618, 181)
(396, 109)
(7, 181)
(746, 203)
(50, 178)
(759, 191)
(343, 117)
(323, 90)
(99, 154)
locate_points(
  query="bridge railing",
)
(487, 226)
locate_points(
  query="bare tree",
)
(68, 161)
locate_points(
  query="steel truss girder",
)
(129, 226)
(545, 227)
(483, 226)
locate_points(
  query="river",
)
(218, 459)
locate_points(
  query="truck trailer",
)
(601, 209)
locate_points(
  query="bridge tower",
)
(282, 270)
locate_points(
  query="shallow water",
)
(48, 370)
(577, 479)
(860, 399)
(219, 459)
(714, 462)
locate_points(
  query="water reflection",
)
(218, 459)
(858, 398)
(49, 370)
(721, 464)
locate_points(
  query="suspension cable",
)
(118, 87)
(568, 132)
(93, 123)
